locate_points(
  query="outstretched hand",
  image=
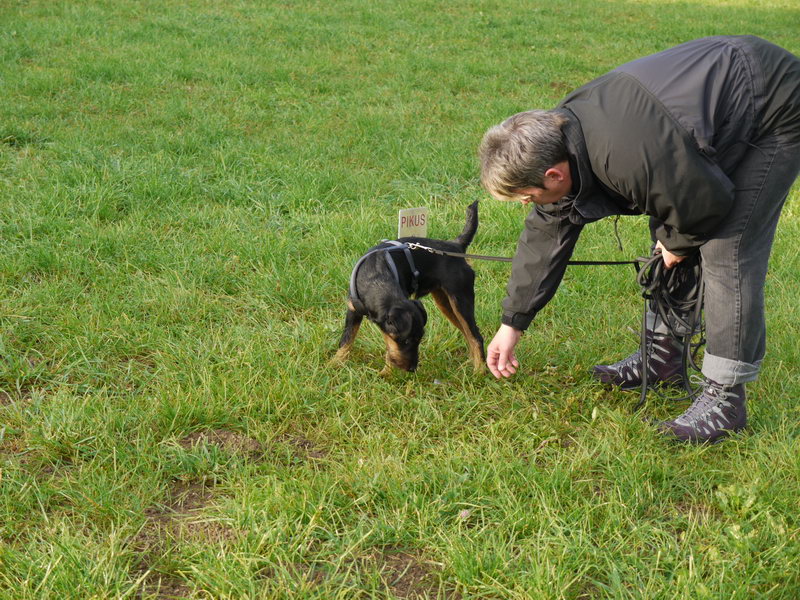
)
(500, 357)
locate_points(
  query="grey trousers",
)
(735, 261)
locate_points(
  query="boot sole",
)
(630, 387)
(726, 436)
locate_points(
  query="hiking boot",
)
(664, 367)
(717, 411)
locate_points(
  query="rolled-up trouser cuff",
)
(729, 372)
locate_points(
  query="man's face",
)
(545, 195)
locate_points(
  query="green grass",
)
(184, 189)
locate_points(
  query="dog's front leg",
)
(352, 322)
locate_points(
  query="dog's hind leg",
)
(443, 302)
(460, 311)
(352, 322)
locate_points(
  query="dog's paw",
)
(338, 359)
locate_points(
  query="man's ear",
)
(557, 172)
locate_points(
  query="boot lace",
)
(712, 394)
(633, 361)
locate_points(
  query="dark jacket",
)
(660, 136)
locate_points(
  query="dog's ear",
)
(422, 311)
(398, 322)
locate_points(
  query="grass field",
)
(184, 189)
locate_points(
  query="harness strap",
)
(354, 298)
(409, 258)
(395, 245)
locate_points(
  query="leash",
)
(415, 246)
(676, 296)
(659, 286)
(406, 247)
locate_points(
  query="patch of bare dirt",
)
(230, 441)
(311, 573)
(163, 587)
(12, 445)
(23, 394)
(410, 577)
(186, 497)
(177, 519)
(302, 447)
(561, 87)
(407, 577)
(145, 360)
(567, 441)
(588, 591)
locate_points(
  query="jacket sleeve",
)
(687, 195)
(544, 248)
(677, 243)
(684, 190)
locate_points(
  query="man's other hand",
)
(500, 357)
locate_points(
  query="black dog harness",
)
(395, 246)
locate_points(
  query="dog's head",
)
(403, 327)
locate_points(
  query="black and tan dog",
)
(387, 277)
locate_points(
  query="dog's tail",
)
(471, 226)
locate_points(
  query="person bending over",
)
(705, 139)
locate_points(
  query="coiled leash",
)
(676, 296)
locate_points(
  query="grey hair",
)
(517, 152)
